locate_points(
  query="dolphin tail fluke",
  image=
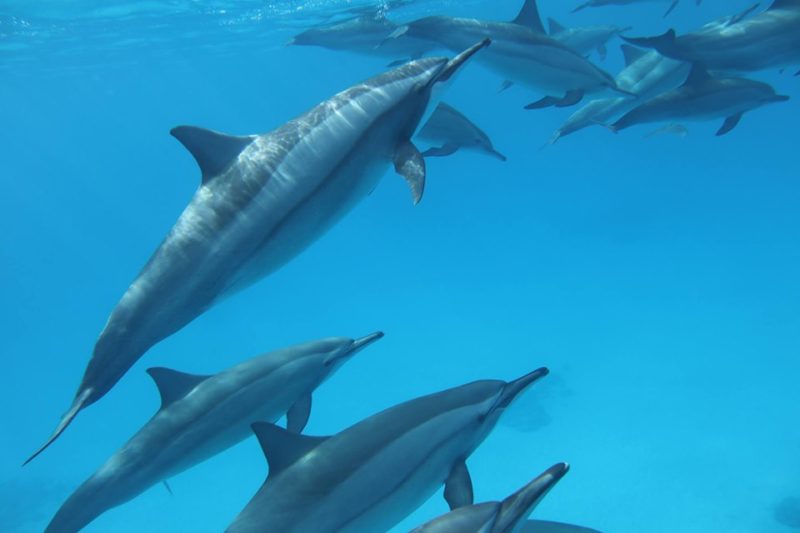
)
(77, 405)
(664, 43)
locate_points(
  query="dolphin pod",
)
(201, 416)
(262, 200)
(376, 472)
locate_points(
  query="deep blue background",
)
(657, 278)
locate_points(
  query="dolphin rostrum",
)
(371, 475)
(646, 74)
(201, 416)
(497, 517)
(262, 200)
(598, 3)
(768, 40)
(448, 130)
(704, 97)
(520, 54)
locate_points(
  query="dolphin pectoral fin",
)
(213, 151)
(169, 489)
(569, 99)
(602, 51)
(730, 123)
(672, 7)
(410, 164)
(547, 101)
(281, 447)
(440, 151)
(173, 385)
(505, 85)
(458, 487)
(81, 401)
(582, 7)
(297, 416)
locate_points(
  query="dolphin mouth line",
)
(517, 387)
(78, 405)
(455, 64)
(365, 341)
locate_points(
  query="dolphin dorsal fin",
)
(213, 151)
(529, 17)
(632, 54)
(697, 75)
(283, 448)
(173, 385)
(555, 26)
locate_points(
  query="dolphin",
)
(449, 130)
(585, 39)
(770, 39)
(521, 52)
(262, 200)
(371, 475)
(646, 74)
(599, 3)
(367, 35)
(201, 416)
(497, 517)
(704, 97)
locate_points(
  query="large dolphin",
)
(367, 34)
(768, 40)
(371, 475)
(585, 39)
(521, 53)
(497, 517)
(704, 97)
(262, 200)
(646, 74)
(448, 131)
(599, 3)
(201, 416)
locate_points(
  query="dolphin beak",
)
(498, 155)
(363, 342)
(779, 98)
(520, 504)
(514, 388)
(454, 64)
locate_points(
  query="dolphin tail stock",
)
(664, 43)
(77, 406)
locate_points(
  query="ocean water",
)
(657, 278)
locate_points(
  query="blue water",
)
(657, 278)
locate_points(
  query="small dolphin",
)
(497, 517)
(522, 53)
(201, 416)
(367, 34)
(599, 3)
(646, 74)
(768, 40)
(704, 97)
(371, 475)
(585, 39)
(263, 199)
(449, 130)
